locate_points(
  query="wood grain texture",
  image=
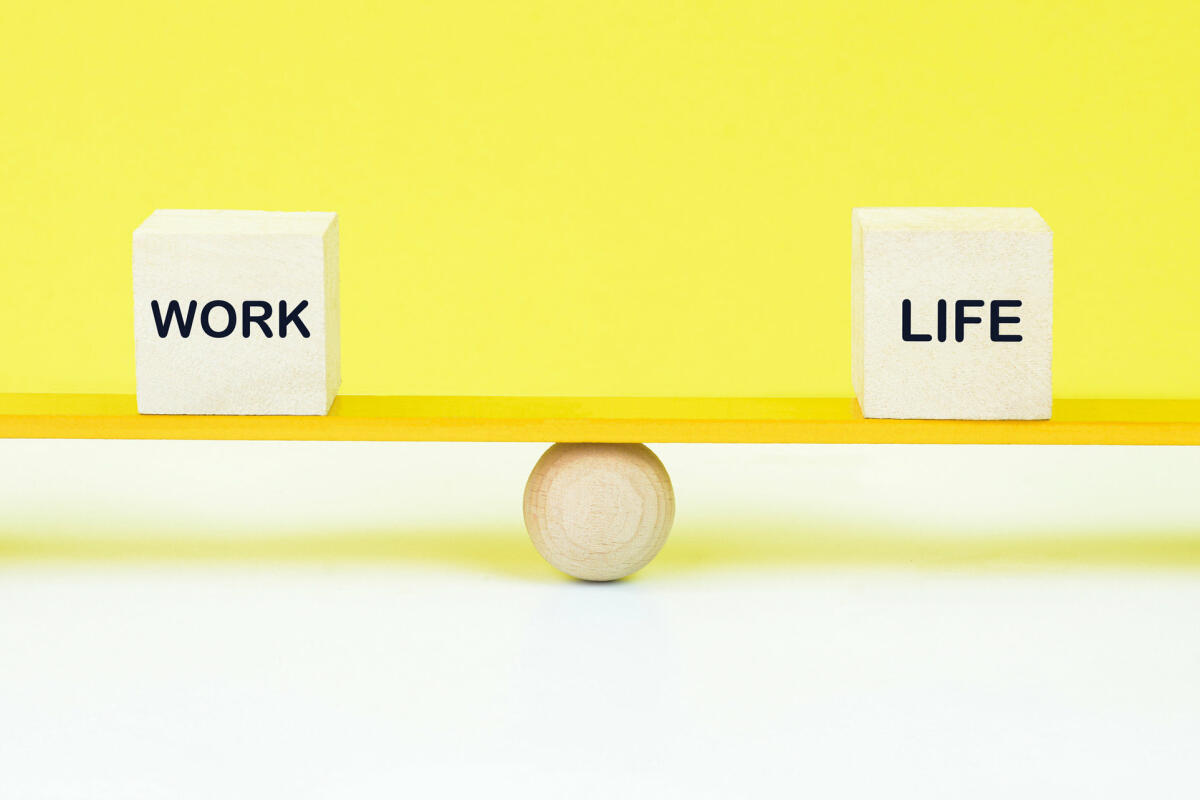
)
(599, 512)
(812, 420)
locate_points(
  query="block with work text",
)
(236, 312)
(952, 311)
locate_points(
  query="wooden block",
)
(952, 313)
(236, 312)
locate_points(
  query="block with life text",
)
(952, 313)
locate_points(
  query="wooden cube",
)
(236, 312)
(951, 313)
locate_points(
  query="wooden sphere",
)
(599, 511)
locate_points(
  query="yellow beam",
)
(595, 419)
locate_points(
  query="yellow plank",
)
(619, 419)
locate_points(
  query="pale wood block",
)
(952, 312)
(599, 511)
(236, 312)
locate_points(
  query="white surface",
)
(929, 254)
(400, 668)
(199, 257)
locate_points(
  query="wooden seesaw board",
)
(590, 419)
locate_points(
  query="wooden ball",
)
(599, 511)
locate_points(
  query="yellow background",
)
(602, 198)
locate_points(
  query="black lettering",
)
(206, 314)
(961, 320)
(173, 312)
(906, 325)
(294, 318)
(248, 316)
(998, 320)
